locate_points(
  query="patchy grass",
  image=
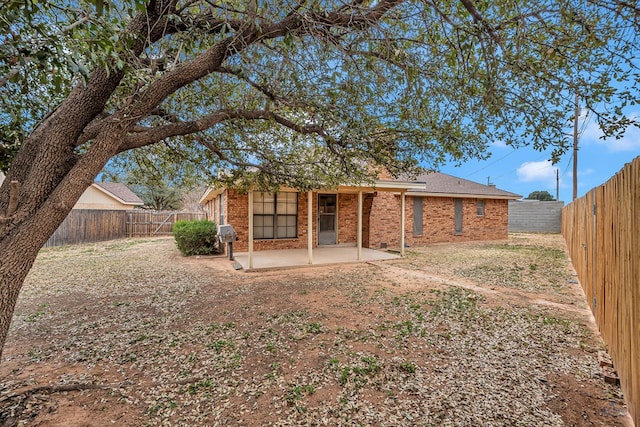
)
(531, 268)
(525, 265)
(191, 342)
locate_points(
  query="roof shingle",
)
(440, 183)
(120, 191)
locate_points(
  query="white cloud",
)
(536, 171)
(629, 142)
(543, 172)
(499, 144)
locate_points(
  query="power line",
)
(492, 163)
(568, 164)
(514, 170)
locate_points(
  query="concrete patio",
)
(289, 258)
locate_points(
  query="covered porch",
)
(313, 227)
(290, 258)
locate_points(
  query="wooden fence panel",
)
(143, 223)
(602, 231)
(92, 225)
(89, 225)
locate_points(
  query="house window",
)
(275, 215)
(417, 216)
(480, 207)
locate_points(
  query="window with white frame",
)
(275, 215)
(480, 207)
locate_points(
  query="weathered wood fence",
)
(141, 223)
(89, 225)
(602, 230)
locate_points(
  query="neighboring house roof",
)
(443, 185)
(120, 192)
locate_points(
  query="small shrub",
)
(196, 237)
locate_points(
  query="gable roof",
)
(433, 184)
(120, 192)
(443, 185)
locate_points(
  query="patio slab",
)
(289, 258)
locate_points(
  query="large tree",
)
(542, 195)
(304, 92)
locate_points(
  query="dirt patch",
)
(164, 340)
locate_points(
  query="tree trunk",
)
(53, 173)
(23, 234)
(15, 263)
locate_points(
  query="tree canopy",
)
(311, 90)
(542, 195)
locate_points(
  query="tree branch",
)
(212, 59)
(156, 134)
(92, 129)
(238, 73)
(479, 19)
(222, 156)
(25, 60)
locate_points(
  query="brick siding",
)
(347, 218)
(381, 221)
(438, 221)
(384, 220)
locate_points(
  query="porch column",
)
(402, 224)
(310, 225)
(359, 225)
(250, 229)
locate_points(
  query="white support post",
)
(359, 225)
(310, 225)
(250, 229)
(402, 224)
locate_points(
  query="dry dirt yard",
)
(130, 333)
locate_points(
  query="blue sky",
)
(525, 170)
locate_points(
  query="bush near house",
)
(197, 237)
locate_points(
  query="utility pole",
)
(557, 184)
(575, 149)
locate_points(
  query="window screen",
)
(275, 215)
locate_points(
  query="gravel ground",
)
(131, 333)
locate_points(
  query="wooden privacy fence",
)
(90, 225)
(602, 231)
(143, 223)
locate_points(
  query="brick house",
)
(437, 208)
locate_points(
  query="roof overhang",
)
(383, 185)
(380, 185)
(210, 194)
(113, 196)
